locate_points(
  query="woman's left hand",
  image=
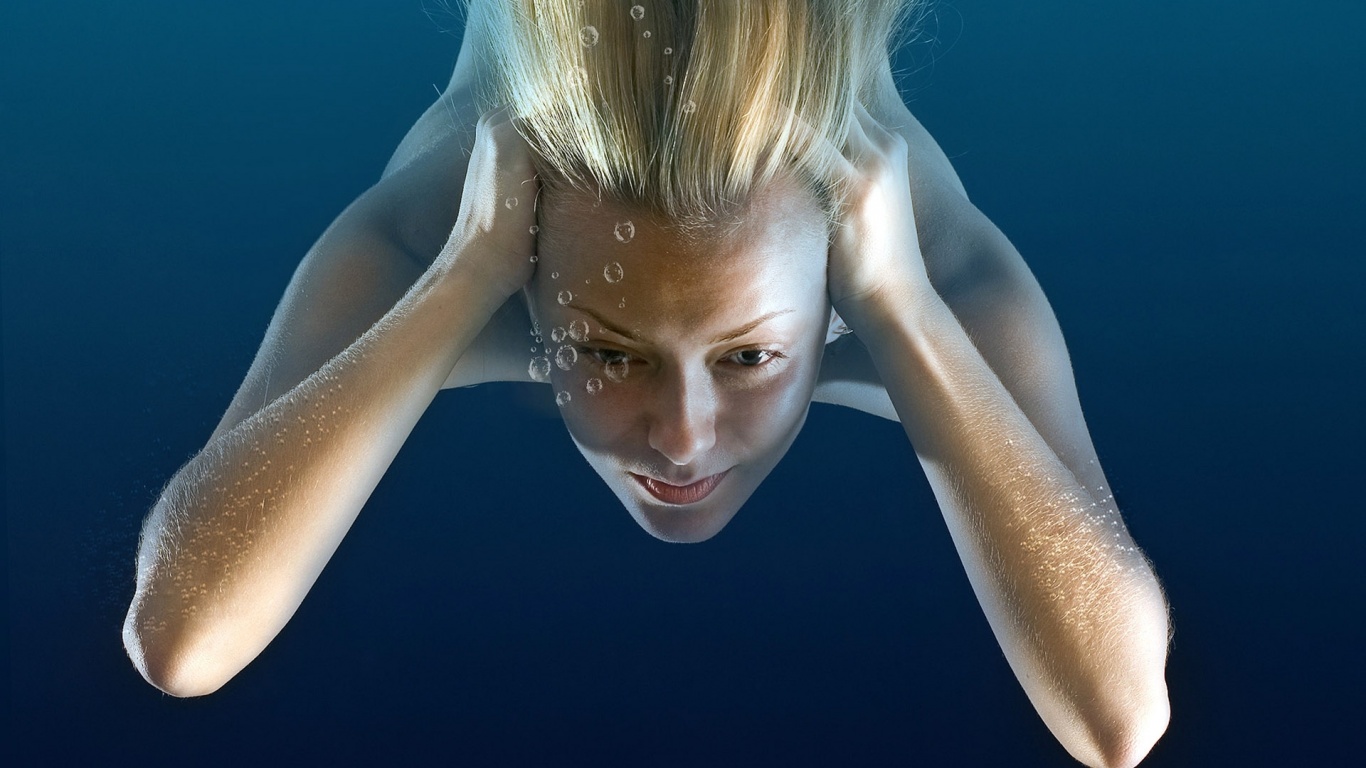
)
(875, 260)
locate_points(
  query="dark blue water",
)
(1185, 180)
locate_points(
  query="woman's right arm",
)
(241, 532)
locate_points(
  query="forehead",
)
(605, 254)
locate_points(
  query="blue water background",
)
(1185, 179)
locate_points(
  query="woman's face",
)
(684, 366)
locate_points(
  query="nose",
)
(683, 425)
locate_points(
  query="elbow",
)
(1128, 744)
(168, 664)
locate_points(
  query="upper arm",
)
(1001, 307)
(348, 280)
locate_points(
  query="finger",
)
(807, 140)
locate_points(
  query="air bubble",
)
(533, 229)
(533, 258)
(668, 51)
(617, 370)
(588, 36)
(566, 356)
(668, 79)
(613, 272)
(511, 203)
(557, 334)
(565, 297)
(578, 330)
(593, 386)
(637, 12)
(624, 231)
(646, 34)
(689, 107)
(539, 369)
(561, 398)
(554, 275)
(622, 305)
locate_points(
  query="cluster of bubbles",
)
(566, 355)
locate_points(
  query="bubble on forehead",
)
(625, 231)
(613, 272)
(511, 203)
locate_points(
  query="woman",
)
(670, 204)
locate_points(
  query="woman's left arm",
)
(976, 369)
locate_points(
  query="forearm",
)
(243, 530)
(1073, 603)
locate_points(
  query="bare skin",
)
(417, 286)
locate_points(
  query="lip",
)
(680, 495)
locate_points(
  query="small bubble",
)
(617, 370)
(539, 370)
(668, 51)
(668, 79)
(578, 330)
(588, 36)
(646, 34)
(613, 272)
(554, 275)
(624, 231)
(566, 356)
(533, 229)
(533, 258)
(557, 334)
(593, 386)
(587, 281)
(511, 203)
(565, 297)
(689, 107)
(561, 398)
(622, 305)
(637, 12)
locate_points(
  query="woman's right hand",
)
(494, 235)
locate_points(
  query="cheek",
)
(598, 412)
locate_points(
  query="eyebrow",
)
(728, 336)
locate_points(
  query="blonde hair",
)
(683, 108)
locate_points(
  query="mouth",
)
(680, 494)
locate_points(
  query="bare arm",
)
(242, 531)
(976, 370)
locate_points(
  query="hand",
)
(875, 254)
(494, 234)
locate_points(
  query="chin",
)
(679, 526)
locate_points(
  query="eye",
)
(754, 358)
(605, 356)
